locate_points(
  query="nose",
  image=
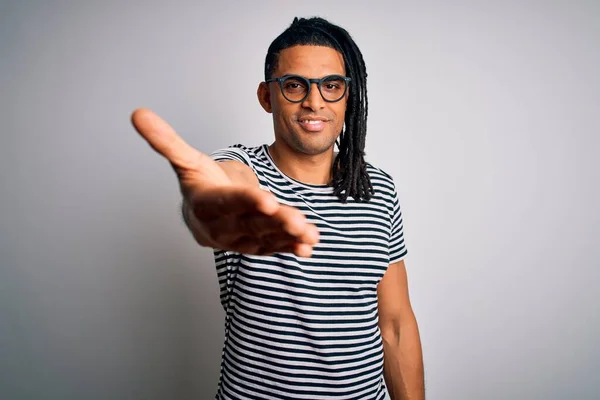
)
(314, 100)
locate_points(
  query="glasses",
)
(296, 88)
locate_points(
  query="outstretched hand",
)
(221, 211)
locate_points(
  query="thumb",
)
(162, 138)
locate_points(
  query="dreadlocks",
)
(350, 177)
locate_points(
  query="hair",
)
(350, 177)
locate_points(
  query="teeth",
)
(310, 121)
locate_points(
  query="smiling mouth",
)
(312, 125)
(311, 121)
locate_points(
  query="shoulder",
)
(242, 148)
(246, 149)
(240, 152)
(380, 179)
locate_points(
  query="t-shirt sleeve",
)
(241, 153)
(397, 248)
(235, 152)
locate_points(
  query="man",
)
(308, 243)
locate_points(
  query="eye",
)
(292, 85)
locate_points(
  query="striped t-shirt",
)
(307, 328)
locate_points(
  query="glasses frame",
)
(309, 82)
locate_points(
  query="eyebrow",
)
(310, 77)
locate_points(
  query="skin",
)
(222, 204)
(403, 356)
(303, 155)
(224, 207)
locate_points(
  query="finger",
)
(250, 245)
(273, 242)
(229, 231)
(296, 224)
(310, 236)
(302, 250)
(212, 203)
(287, 221)
(264, 230)
(257, 226)
(162, 138)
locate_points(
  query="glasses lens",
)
(294, 88)
(333, 88)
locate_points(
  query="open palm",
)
(222, 211)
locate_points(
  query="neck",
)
(306, 168)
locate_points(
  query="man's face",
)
(292, 120)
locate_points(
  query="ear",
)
(264, 96)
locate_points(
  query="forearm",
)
(403, 362)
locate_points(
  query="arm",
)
(403, 358)
(223, 205)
